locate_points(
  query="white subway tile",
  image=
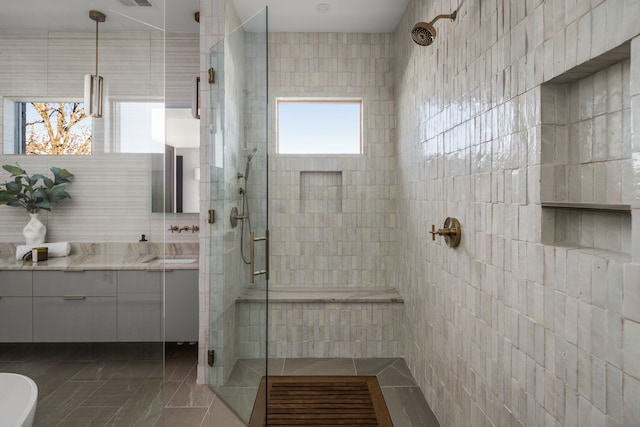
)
(631, 292)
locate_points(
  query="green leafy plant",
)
(34, 192)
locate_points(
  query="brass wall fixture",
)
(193, 228)
(424, 33)
(253, 272)
(195, 101)
(451, 231)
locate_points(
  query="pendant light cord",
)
(97, 23)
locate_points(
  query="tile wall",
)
(506, 330)
(321, 329)
(355, 245)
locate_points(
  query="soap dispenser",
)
(143, 248)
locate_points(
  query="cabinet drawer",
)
(16, 283)
(80, 283)
(15, 319)
(59, 319)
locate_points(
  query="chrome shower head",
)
(423, 33)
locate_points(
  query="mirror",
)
(159, 72)
(177, 190)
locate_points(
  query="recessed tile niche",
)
(320, 192)
(586, 175)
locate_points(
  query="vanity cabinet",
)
(16, 322)
(74, 306)
(98, 306)
(139, 306)
(181, 308)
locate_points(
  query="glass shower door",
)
(239, 241)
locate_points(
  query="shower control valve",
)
(235, 216)
(451, 231)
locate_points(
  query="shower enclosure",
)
(239, 239)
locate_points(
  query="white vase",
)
(34, 231)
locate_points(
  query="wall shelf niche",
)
(593, 207)
(586, 171)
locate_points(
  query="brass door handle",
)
(254, 239)
(252, 236)
(451, 231)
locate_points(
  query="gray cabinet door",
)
(139, 306)
(16, 323)
(181, 306)
(74, 319)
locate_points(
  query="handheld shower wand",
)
(246, 170)
(245, 216)
(249, 157)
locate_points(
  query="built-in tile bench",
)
(312, 322)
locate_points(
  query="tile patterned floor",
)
(92, 384)
(405, 401)
(123, 385)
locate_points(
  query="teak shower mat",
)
(321, 401)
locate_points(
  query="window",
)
(319, 126)
(58, 127)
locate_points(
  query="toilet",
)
(18, 399)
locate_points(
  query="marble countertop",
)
(110, 256)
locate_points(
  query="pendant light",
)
(93, 83)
